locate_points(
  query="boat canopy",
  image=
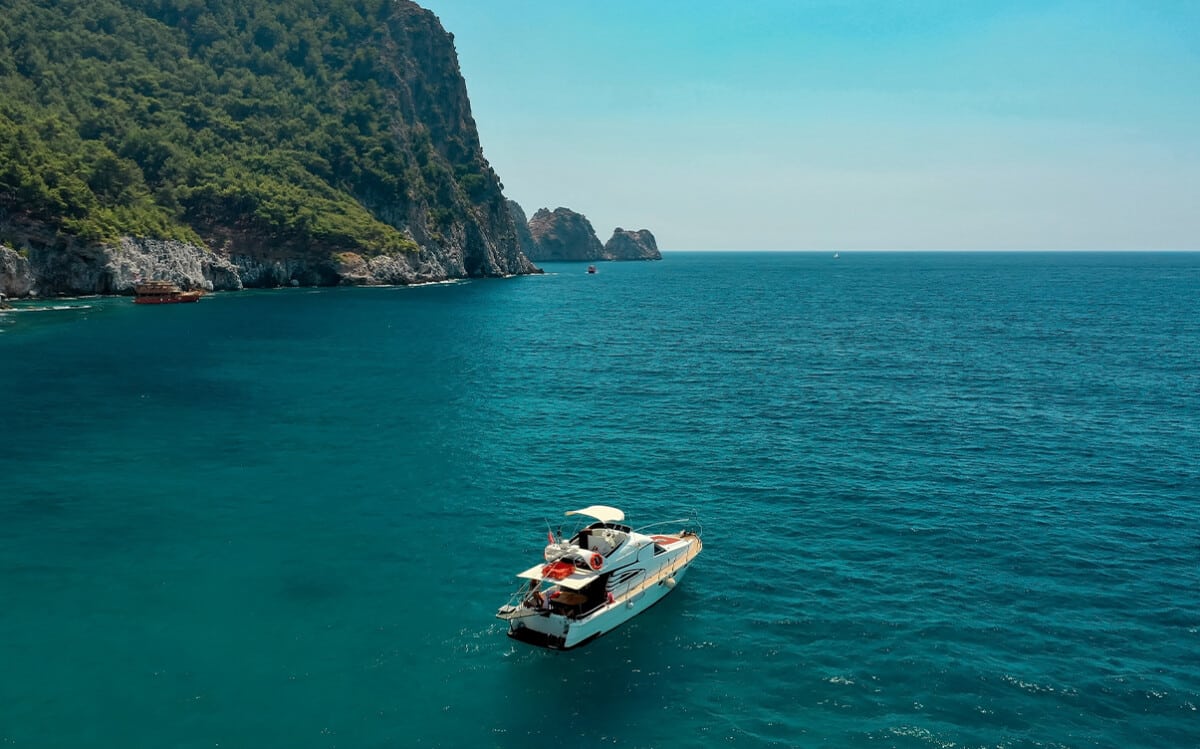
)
(577, 580)
(603, 513)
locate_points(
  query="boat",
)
(836, 255)
(163, 292)
(599, 578)
(591, 269)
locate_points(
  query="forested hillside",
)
(289, 126)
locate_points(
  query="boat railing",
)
(693, 520)
(663, 522)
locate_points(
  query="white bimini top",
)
(603, 513)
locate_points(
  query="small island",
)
(563, 235)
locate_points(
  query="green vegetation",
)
(162, 118)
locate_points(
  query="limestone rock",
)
(187, 265)
(632, 245)
(16, 276)
(68, 266)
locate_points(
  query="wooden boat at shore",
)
(163, 292)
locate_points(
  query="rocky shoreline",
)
(437, 206)
(115, 269)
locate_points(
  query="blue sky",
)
(829, 124)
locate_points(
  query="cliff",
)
(632, 245)
(240, 143)
(563, 235)
(525, 238)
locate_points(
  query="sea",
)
(947, 500)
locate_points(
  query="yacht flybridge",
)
(601, 577)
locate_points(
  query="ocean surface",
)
(948, 500)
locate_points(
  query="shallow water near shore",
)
(948, 499)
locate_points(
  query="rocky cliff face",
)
(521, 224)
(16, 277)
(466, 231)
(632, 245)
(73, 267)
(563, 235)
(450, 204)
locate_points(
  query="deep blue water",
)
(948, 500)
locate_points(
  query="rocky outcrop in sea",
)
(632, 245)
(563, 235)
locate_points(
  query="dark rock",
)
(521, 224)
(632, 245)
(563, 235)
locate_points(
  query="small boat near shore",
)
(591, 269)
(163, 292)
(599, 578)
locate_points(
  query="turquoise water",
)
(948, 500)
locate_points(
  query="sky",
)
(832, 124)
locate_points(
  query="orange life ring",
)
(596, 561)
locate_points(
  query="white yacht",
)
(601, 577)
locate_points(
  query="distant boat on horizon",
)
(836, 255)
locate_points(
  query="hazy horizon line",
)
(945, 249)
